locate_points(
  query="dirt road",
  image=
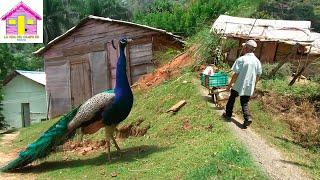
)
(272, 161)
(6, 141)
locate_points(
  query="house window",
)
(12, 22)
(30, 21)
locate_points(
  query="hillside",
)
(193, 143)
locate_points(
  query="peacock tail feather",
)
(42, 147)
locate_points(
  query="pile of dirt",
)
(84, 147)
(133, 129)
(167, 71)
(300, 115)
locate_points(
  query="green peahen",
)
(106, 109)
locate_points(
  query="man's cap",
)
(251, 43)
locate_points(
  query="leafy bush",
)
(187, 17)
(316, 78)
(282, 73)
(2, 121)
(291, 10)
(209, 47)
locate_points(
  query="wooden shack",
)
(82, 62)
(276, 39)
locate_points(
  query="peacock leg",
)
(108, 137)
(108, 150)
(80, 135)
(117, 146)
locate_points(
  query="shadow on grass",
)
(8, 131)
(296, 163)
(285, 140)
(128, 155)
(237, 123)
(208, 98)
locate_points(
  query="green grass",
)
(277, 132)
(280, 86)
(167, 151)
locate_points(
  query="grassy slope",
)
(278, 133)
(167, 150)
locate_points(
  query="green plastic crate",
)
(218, 79)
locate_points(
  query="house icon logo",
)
(21, 23)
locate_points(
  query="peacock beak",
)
(129, 40)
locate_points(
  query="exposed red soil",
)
(167, 71)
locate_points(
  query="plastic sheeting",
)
(264, 29)
(289, 32)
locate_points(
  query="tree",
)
(3, 124)
(6, 61)
(105, 8)
(56, 18)
(292, 10)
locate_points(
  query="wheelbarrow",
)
(216, 84)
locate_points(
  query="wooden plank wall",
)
(92, 41)
(99, 72)
(58, 86)
(93, 36)
(141, 56)
(268, 51)
(80, 79)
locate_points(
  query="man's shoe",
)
(225, 117)
(246, 123)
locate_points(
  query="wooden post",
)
(302, 69)
(275, 70)
(275, 54)
(298, 74)
(48, 108)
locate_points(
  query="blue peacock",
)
(106, 109)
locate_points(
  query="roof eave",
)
(40, 51)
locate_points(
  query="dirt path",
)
(6, 141)
(275, 165)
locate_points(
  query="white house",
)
(24, 99)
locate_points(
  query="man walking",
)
(247, 70)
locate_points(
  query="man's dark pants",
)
(244, 100)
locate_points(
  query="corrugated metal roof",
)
(37, 76)
(59, 38)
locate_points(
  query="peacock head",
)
(123, 42)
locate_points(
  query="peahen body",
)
(106, 109)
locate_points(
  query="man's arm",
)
(257, 79)
(233, 79)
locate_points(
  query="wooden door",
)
(112, 62)
(80, 81)
(112, 58)
(25, 114)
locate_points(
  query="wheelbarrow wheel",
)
(214, 99)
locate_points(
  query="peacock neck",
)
(122, 89)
